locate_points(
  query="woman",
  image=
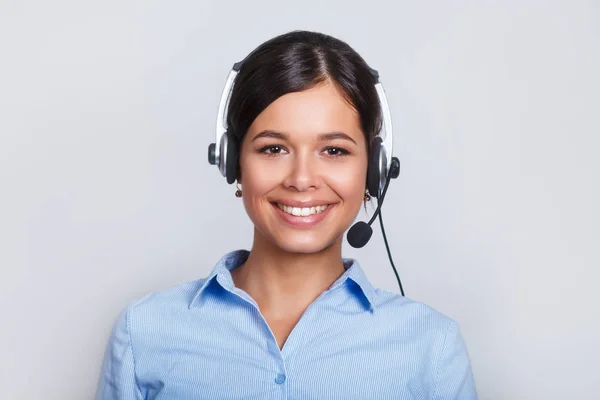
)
(291, 318)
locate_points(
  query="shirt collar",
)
(222, 274)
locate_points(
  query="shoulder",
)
(174, 296)
(159, 308)
(394, 303)
(414, 318)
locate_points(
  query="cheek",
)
(349, 181)
(258, 179)
(258, 176)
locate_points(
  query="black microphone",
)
(360, 233)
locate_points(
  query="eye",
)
(336, 151)
(272, 149)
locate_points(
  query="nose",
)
(303, 175)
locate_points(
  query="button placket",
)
(277, 357)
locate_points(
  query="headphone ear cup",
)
(373, 173)
(231, 163)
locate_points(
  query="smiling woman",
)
(291, 318)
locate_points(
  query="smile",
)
(302, 211)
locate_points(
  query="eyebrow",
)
(323, 137)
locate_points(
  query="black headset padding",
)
(232, 158)
(373, 173)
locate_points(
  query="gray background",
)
(107, 108)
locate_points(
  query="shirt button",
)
(280, 379)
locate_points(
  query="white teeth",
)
(302, 212)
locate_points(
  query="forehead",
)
(310, 112)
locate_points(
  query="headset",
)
(382, 166)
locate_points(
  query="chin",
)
(304, 245)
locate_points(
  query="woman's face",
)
(303, 168)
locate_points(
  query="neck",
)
(284, 283)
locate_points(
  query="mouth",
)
(302, 217)
(302, 211)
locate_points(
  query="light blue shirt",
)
(208, 340)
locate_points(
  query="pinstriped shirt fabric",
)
(208, 340)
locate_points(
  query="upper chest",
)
(329, 352)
